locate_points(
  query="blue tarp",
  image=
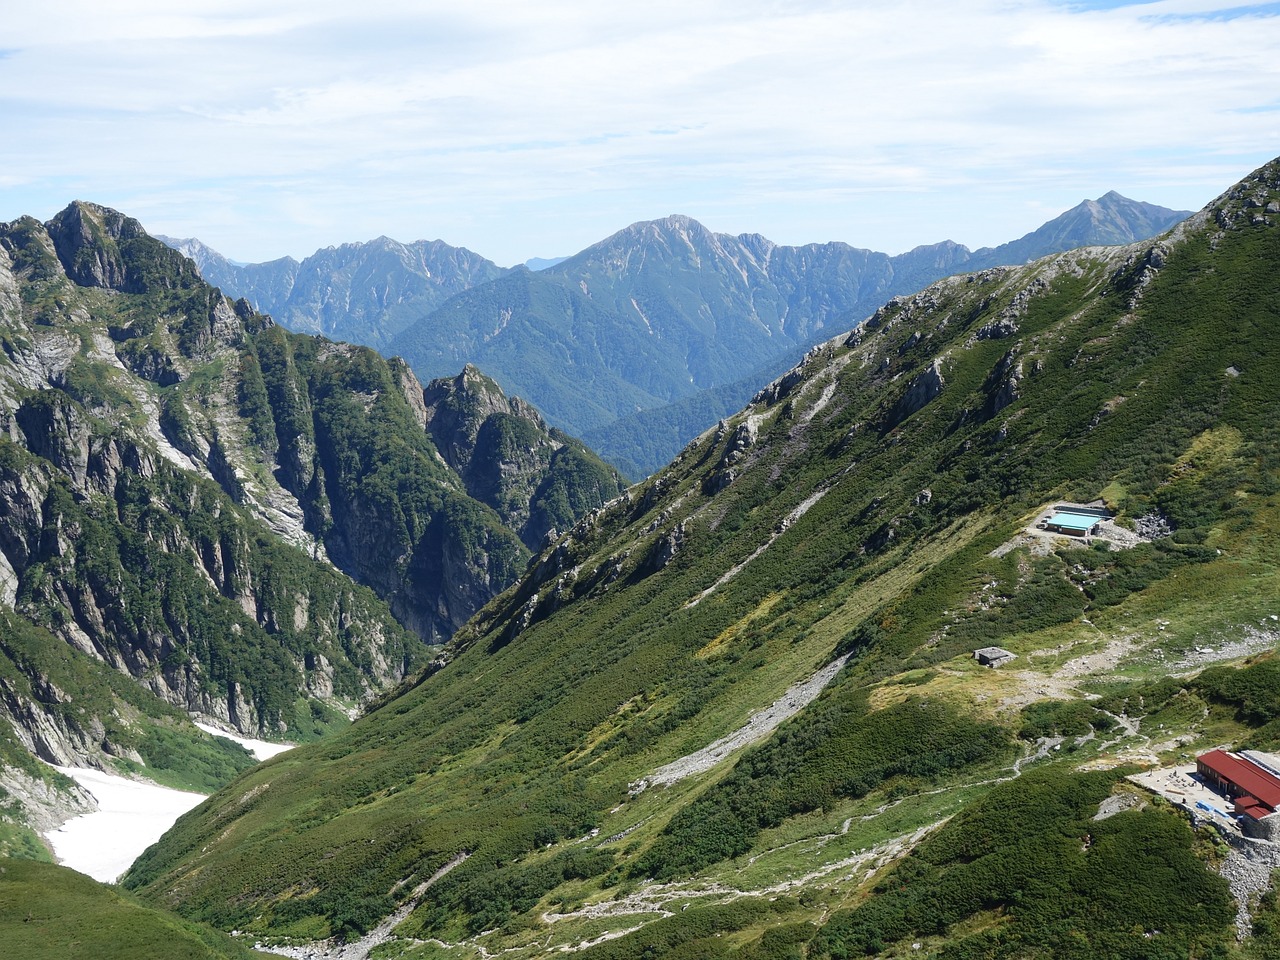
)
(1073, 521)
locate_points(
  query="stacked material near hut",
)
(993, 656)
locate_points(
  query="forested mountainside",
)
(737, 712)
(663, 316)
(359, 292)
(201, 512)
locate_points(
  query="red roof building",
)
(1255, 790)
(1251, 808)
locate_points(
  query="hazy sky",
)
(275, 127)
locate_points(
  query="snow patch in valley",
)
(262, 749)
(131, 816)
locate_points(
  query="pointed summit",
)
(510, 459)
(1110, 220)
(101, 247)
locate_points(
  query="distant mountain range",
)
(358, 292)
(541, 263)
(663, 312)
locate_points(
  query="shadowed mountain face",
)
(202, 512)
(736, 713)
(662, 313)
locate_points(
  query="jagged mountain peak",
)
(217, 269)
(191, 247)
(509, 458)
(361, 291)
(101, 247)
(110, 222)
(474, 391)
(675, 226)
(647, 244)
(1110, 220)
(672, 222)
(759, 245)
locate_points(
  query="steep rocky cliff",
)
(133, 525)
(251, 524)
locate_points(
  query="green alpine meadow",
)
(741, 710)
(50, 911)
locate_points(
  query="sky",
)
(278, 127)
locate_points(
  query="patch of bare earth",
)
(1063, 683)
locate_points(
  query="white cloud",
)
(277, 127)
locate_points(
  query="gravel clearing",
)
(1252, 641)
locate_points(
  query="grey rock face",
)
(507, 456)
(45, 804)
(75, 236)
(923, 388)
(99, 247)
(1003, 384)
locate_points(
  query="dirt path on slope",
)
(1062, 683)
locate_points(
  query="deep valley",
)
(731, 711)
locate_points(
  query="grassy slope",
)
(598, 668)
(50, 911)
